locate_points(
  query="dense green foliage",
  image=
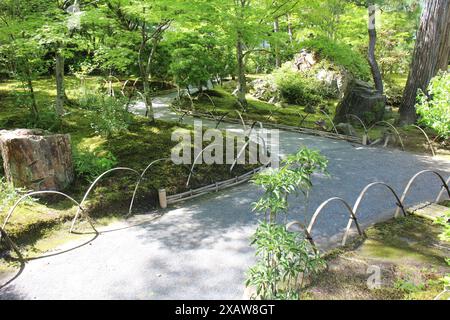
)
(340, 54)
(91, 164)
(301, 89)
(109, 117)
(126, 43)
(81, 66)
(434, 106)
(10, 195)
(293, 177)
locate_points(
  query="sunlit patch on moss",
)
(408, 252)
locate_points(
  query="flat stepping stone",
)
(428, 210)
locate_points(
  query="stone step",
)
(428, 210)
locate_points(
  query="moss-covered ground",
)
(407, 252)
(224, 103)
(136, 147)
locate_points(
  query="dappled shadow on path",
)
(204, 222)
(16, 275)
(12, 276)
(204, 244)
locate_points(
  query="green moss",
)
(404, 239)
(292, 115)
(141, 144)
(409, 253)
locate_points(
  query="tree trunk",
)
(242, 81)
(444, 49)
(34, 108)
(289, 24)
(426, 55)
(60, 89)
(144, 68)
(147, 94)
(375, 69)
(276, 29)
(147, 97)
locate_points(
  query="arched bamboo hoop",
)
(93, 184)
(360, 198)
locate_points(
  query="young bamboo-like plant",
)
(293, 177)
(284, 258)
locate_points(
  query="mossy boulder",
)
(363, 101)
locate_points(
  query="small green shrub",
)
(433, 107)
(90, 100)
(48, 120)
(407, 286)
(110, 115)
(293, 177)
(298, 88)
(90, 164)
(340, 54)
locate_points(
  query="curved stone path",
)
(200, 248)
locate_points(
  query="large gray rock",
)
(362, 100)
(265, 90)
(332, 76)
(36, 160)
(304, 60)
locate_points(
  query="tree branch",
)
(256, 50)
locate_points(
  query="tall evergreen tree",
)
(429, 56)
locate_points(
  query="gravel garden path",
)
(200, 249)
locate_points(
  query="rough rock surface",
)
(337, 80)
(36, 160)
(305, 60)
(265, 90)
(362, 100)
(347, 129)
(334, 78)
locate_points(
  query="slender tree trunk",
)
(375, 69)
(148, 98)
(147, 94)
(276, 29)
(60, 89)
(426, 55)
(34, 108)
(290, 32)
(242, 81)
(144, 68)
